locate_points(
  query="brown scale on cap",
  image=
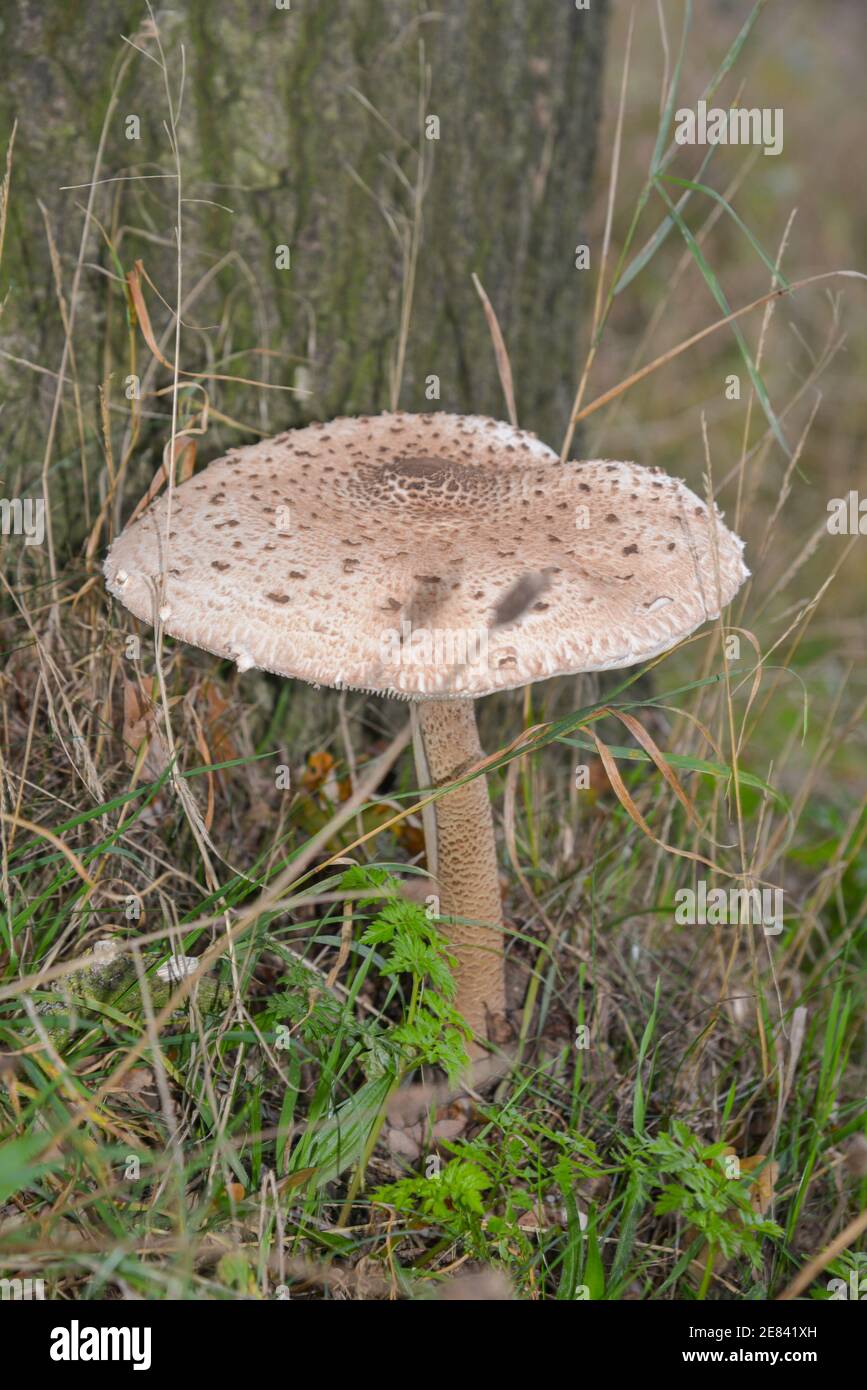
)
(359, 540)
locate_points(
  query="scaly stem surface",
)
(469, 886)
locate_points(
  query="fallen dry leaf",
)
(482, 1285)
(762, 1190)
(856, 1156)
(135, 1080)
(449, 1130)
(139, 726)
(217, 722)
(319, 768)
(403, 1143)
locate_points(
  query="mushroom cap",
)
(426, 556)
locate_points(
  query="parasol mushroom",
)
(435, 558)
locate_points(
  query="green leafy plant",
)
(409, 944)
(517, 1165)
(693, 1184)
(305, 1007)
(451, 1197)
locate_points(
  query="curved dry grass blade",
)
(134, 278)
(55, 840)
(824, 1258)
(5, 186)
(504, 366)
(703, 333)
(638, 731)
(629, 806)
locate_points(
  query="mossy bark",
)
(109, 976)
(304, 123)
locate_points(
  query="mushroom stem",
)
(467, 876)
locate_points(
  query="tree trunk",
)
(304, 122)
